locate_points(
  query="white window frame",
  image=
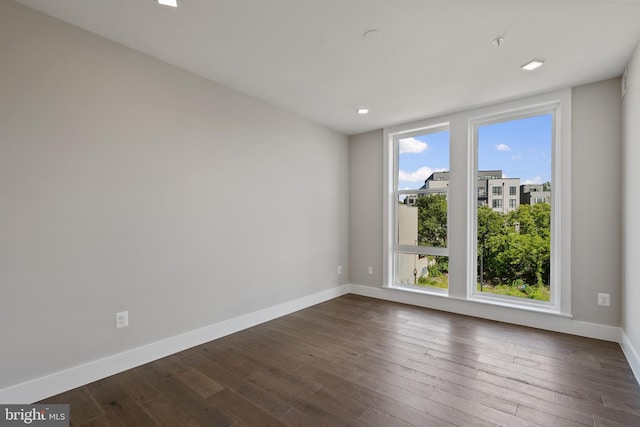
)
(560, 301)
(462, 204)
(391, 239)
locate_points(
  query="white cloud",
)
(503, 147)
(516, 157)
(534, 180)
(419, 175)
(412, 145)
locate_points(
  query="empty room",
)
(361, 212)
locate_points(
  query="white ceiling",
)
(433, 56)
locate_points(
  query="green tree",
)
(522, 259)
(514, 249)
(432, 220)
(490, 223)
(490, 232)
(530, 219)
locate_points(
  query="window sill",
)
(524, 305)
(481, 299)
(439, 292)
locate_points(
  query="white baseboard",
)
(632, 355)
(58, 382)
(531, 319)
(518, 317)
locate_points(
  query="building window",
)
(513, 191)
(420, 240)
(497, 203)
(496, 191)
(512, 203)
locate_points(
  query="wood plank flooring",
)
(355, 361)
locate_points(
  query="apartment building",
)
(530, 194)
(501, 194)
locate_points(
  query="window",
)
(487, 185)
(421, 232)
(514, 246)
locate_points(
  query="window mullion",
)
(422, 250)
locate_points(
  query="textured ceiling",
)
(310, 56)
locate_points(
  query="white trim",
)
(553, 108)
(58, 382)
(558, 104)
(462, 192)
(390, 187)
(632, 355)
(426, 250)
(517, 316)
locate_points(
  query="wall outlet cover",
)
(604, 299)
(122, 319)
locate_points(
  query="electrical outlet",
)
(122, 319)
(370, 270)
(604, 299)
(339, 269)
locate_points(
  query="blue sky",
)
(521, 148)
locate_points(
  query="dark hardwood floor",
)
(360, 361)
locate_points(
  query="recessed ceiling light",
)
(532, 65)
(363, 111)
(172, 3)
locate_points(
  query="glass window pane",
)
(425, 222)
(421, 158)
(422, 270)
(514, 236)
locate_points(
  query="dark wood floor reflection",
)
(361, 361)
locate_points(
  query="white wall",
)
(631, 213)
(596, 212)
(365, 208)
(597, 142)
(129, 184)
